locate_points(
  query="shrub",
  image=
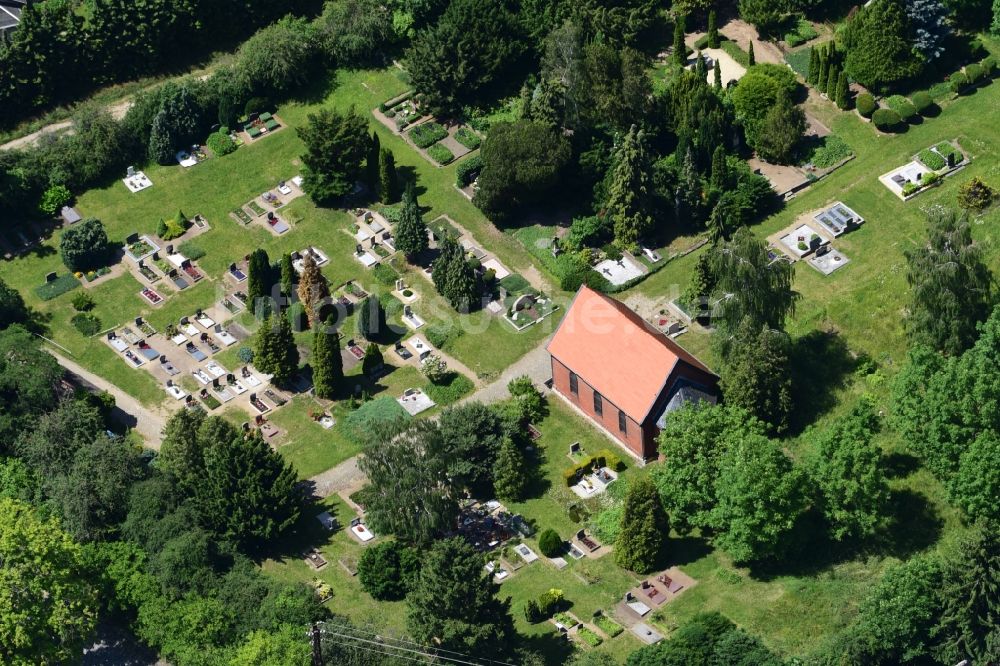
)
(886, 120)
(701, 43)
(427, 134)
(989, 65)
(974, 72)
(589, 637)
(833, 150)
(901, 106)
(929, 179)
(54, 198)
(380, 410)
(958, 82)
(931, 159)
(245, 354)
(85, 245)
(220, 142)
(191, 250)
(385, 275)
(381, 570)
(975, 195)
(866, 105)
(550, 543)
(439, 335)
(549, 603)
(468, 170)
(532, 613)
(922, 102)
(450, 388)
(607, 625)
(83, 302)
(57, 287)
(86, 323)
(610, 459)
(468, 138)
(440, 154)
(608, 522)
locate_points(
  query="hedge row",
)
(603, 458)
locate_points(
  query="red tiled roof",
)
(615, 351)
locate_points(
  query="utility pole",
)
(317, 659)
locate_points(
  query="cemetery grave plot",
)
(415, 401)
(926, 169)
(399, 113)
(298, 258)
(136, 181)
(191, 157)
(274, 224)
(827, 260)
(373, 236)
(139, 247)
(838, 219)
(258, 125)
(801, 240)
(529, 309)
(621, 270)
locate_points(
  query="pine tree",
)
(372, 362)
(824, 70)
(629, 190)
(373, 163)
(843, 98)
(388, 184)
(410, 231)
(713, 31)
(287, 275)
(259, 283)
(314, 291)
(700, 68)
(720, 169)
(275, 352)
(813, 66)
(751, 59)
(701, 286)
(371, 318)
(509, 478)
(453, 277)
(336, 146)
(718, 75)
(644, 528)
(831, 82)
(327, 364)
(680, 51)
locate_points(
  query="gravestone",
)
(358, 249)
(407, 312)
(575, 448)
(400, 285)
(51, 277)
(130, 172)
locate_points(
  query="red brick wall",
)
(633, 440)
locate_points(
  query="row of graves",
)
(810, 238)
(373, 237)
(925, 170)
(263, 209)
(159, 266)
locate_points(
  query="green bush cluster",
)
(886, 120)
(468, 170)
(83, 302)
(550, 543)
(804, 31)
(902, 106)
(427, 134)
(86, 323)
(220, 142)
(441, 154)
(468, 138)
(931, 159)
(603, 458)
(551, 602)
(833, 150)
(440, 335)
(922, 102)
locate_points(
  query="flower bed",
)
(255, 207)
(589, 637)
(944, 148)
(931, 159)
(440, 154)
(468, 138)
(427, 134)
(608, 626)
(242, 216)
(57, 287)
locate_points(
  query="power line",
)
(433, 656)
(437, 651)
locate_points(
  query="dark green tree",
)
(717, 75)
(644, 528)
(977, 481)
(288, 276)
(279, 58)
(780, 131)
(453, 277)
(951, 286)
(382, 570)
(410, 231)
(813, 74)
(175, 125)
(85, 245)
(751, 60)
(259, 283)
(274, 351)
(629, 192)
(12, 307)
(357, 32)
(848, 476)
(51, 444)
(756, 374)
(879, 47)
(336, 145)
(472, 435)
(410, 495)
(720, 174)
(760, 497)
(713, 30)
(698, 292)
(509, 472)
(679, 49)
(181, 454)
(373, 163)
(327, 364)
(371, 318)
(843, 97)
(372, 361)
(387, 178)
(454, 604)
(831, 81)
(765, 15)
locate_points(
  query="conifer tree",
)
(259, 283)
(713, 30)
(388, 184)
(751, 58)
(680, 51)
(314, 290)
(720, 169)
(824, 70)
(644, 528)
(410, 231)
(509, 479)
(287, 275)
(813, 65)
(831, 82)
(843, 97)
(373, 164)
(718, 75)
(700, 68)
(327, 364)
(274, 351)
(629, 190)
(756, 374)
(371, 318)
(372, 361)
(453, 277)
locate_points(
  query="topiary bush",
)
(550, 543)
(901, 106)
(886, 120)
(974, 73)
(922, 102)
(958, 82)
(220, 142)
(549, 603)
(83, 302)
(866, 105)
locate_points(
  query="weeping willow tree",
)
(951, 287)
(754, 291)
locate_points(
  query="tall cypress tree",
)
(831, 82)
(453, 277)
(713, 31)
(843, 97)
(411, 232)
(718, 75)
(388, 183)
(372, 164)
(752, 59)
(680, 51)
(509, 479)
(287, 275)
(824, 70)
(644, 528)
(700, 68)
(629, 190)
(327, 364)
(720, 169)
(275, 352)
(259, 283)
(813, 66)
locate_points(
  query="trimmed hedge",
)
(922, 101)
(886, 120)
(958, 82)
(603, 458)
(902, 106)
(427, 134)
(866, 105)
(550, 543)
(468, 138)
(931, 160)
(468, 170)
(974, 72)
